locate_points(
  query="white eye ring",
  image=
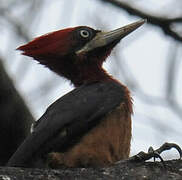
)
(84, 33)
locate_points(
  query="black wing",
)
(68, 119)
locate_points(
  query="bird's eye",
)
(84, 33)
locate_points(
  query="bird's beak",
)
(105, 38)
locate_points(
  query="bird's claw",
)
(154, 154)
(142, 156)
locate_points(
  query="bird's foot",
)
(142, 156)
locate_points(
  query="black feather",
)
(75, 113)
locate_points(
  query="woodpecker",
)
(91, 125)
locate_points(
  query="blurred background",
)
(148, 61)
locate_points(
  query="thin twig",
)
(162, 22)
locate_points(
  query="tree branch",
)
(15, 118)
(122, 170)
(163, 23)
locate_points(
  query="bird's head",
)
(77, 53)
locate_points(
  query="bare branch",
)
(163, 23)
(20, 29)
(15, 120)
(122, 170)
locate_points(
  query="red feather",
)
(48, 45)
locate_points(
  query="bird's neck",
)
(90, 74)
(82, 73)
(85, 74)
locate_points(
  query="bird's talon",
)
(168, 146)
(142, 156)
(157, 155)
(151, 149)
(138, 157)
